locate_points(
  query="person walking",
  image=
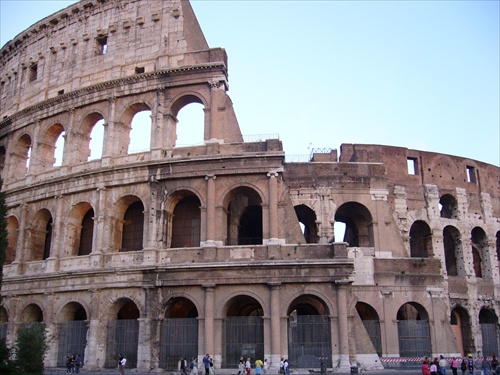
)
(122, 361)
(78, 364)
(266, 367)
(433, 368)
(182, 366)
(193, 366)
(286, 367)
(442, 365)
(485, 366)
(454, 366)
(425, 368)
(241, 367)
(206, 364)
(463, 365)
(258, 367)
(248, 366)
(470, 364)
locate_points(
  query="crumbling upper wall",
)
(97, 41)
(447, 172)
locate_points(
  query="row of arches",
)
(128, 228)
(69, 141)
(176, 331)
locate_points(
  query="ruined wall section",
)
(97, 41)
(449, 173)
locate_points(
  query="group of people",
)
(73, 364)
(467, 365)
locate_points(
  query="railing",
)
(259, 137)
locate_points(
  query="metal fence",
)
(373, 329)
(490, 339)
(178, 338)
(3, 330)
(414, 338)
(72, 340)
(309, 340)
(123, 337)
(244, 336)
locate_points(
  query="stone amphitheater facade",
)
(222, 248)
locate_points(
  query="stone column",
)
(213, 129)
(158, 125)
(57, 246)
(275, 326)
(209, 318)
(344, 364)
(144, 347)
(273, 208)
(109, 141)
(22, 241)
(210, 216)
(96, 336)
(99, 239)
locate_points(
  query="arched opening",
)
(20, 158)
(308, 332)
(307, 217)
(59, 150)
(133, 227)
(448, 207)
(498, 246)
(50, 150)
(123, 333)
(87, 233)
(371, 321)
(420, 240)
(190, 129)
(358, 224)
(244, 217)
(479, 243)
(460, 325)
(2, 159)
(96, 143)
(178, 332)
(140, 132)
(12, 236)
(186, 222)
(452, 251)
(32, 314)
(4, 322)
(40, 238)
(243, 331)
(72, 332)
(413, 331)
(488, 321)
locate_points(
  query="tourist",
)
(442, 365)
(463, 365)
(485, 366)
(206, 364)
(181, 367)
(454, 366)
(286, 367)
(266, 366)
(470, 364)
(494, 363)
(241, 367)
(248, 366)
(122, 361)
(425, 368)
(433, 368)
(193, 366)
(78, 364)
(211, 370)
(282, 366)
(258, 367)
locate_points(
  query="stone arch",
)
(243, 330)
(371, 322)
(479, 244)
(183, 219)
(80, 229)
(123, 332)
(12, 236)
(243, 216)
(309, 331)
(188, 99)
(452, 243)
(20, 157)
(420, 240)
(82, 144)
(47, 147)
(307, 217)
(178, 332)
(461, 328)
(129, 229)
(73, 328)
(32, 313)
(448, 207)
(413, 330)
(359, 224)
(489, 324)
(128, 130)
(40, 236)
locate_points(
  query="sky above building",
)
(418, 74)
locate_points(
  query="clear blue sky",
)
(416, 74)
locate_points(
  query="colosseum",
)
(224, 247)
